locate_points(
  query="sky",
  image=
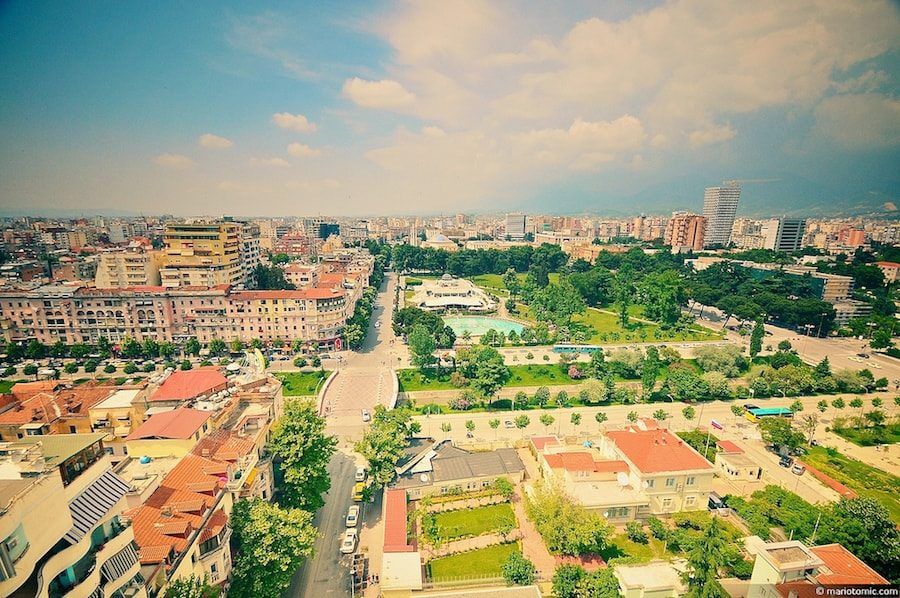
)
(367, 108)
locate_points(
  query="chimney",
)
(166, 510)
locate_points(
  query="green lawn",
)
(606, 326)
(484, 562)
(864, 479)
(411, 380)
(871, 436)
(473, 522)
(539, 375)
(620, 546)
(301, 384)
(494, 282)
(6, 385)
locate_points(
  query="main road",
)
(363, 381)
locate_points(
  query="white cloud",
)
(300, 150)
(584, 145)
(294, 122)
(274, 161)
(377, 94)
(859, 121)
(174, 161)
(710, 135)
(210, 141)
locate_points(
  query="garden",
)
(301, 384)
(473, 564)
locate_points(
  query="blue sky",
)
(437, 107)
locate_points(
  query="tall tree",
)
(271, 542)
(649, 371)
(705, 561)
(756, 337)
(384, 441)
(191, 587)
(421, 346)
(302, 451)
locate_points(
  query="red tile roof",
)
(582, 461)
(729, 447)
(224, 445)
(186, 385)
(656, 451)
(24, 390)
(540, 442)
(178, 424)
(161, 524)
(37, 408)
(610, 466)
(395, 521)
(844, 568)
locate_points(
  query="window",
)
(690, 480)
(690, 500)
(670, 482)
(667, 503)
(650, 483)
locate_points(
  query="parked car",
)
(360, 475)
(785, 461)
(797, 469)
(508, 424)
(348, 541)
(365, 415)
(352, 516)
(749, 406)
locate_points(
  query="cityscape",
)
(639, 354)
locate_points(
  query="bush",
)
(186, 365)
(70, 368)
(30, 370)
(461, 403)
(130, 368)
(635, 532)
(110, 369)
(657, 528)
(300, 362)
(90, 366)
(518, 570)
(10, 371)
(149, 367)
(316, 361)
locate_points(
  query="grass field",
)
(620, 546)
(494, 282)
(301, 384)
(539, 375)
(411, 380)
(871, 436)
(864, 479)
(484, 562)
(6, 385)
(473, 522)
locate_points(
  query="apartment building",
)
(86, 548)
(57, 411)
(131, 267)
(303, 276)
(629, 474)
(78, 314)
(719, 208)
(202, 254)
(685, 232)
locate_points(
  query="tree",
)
(565, 581)
(131, 349)
(864, 527)
(877, 402)
(542, 395)
(797, 406)
(822, 406)
(470, 425)
(566, 527)
(494, 424)
(660, 415)
(632, 416)
(185, 365)
(705, 561)
(575, 418)
(785, 345)
(737, 411)
(650, 371)
(756, 338)
(217, 346)
(192, 347)
(58, 349)
(778, 431)
(601, 583)
(302, 451)
(522, 421)
(446, 427)
(689, 413)
(838, 403)
(271, 543)
(809, 423)
(130, 368)
(35, 349)
(726, 359)
(383, 443)
(421, 346)
(192, 587)
(517, 570)
(70, 368)
(166, 350)
(822, 369)
(547, 420)
(881, 339)
(271, 278)
(236, 345)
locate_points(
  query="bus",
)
(573, 348)
(759, 413)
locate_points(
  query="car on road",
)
(348, 541)
(863, 355)
(748, 407)
(509, 424)
(797, 469)
(352, 516)
(360, 475)
(358, 491)
(785, 461)
(377, 324)
(365, 415)
(324, 356)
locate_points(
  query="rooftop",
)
(726, 446)
(179, 424)
(657, 451)
(395, 521)
(122, 397)
(186, 385)
(59, 447)
(842, 567)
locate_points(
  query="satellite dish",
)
(622, 479)
(423, 477)
(645, 484)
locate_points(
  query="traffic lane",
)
(325, 574)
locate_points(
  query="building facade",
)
(202, 254)
(131, 267)
(686, 232)
(719, 208)
(785, 234)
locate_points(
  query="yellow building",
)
(169, 434)
(202, 254)
(133, 267)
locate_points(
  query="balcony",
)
(84, 575)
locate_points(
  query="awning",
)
(250, 477)
(119, 564)
(94, 503)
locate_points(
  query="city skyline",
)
(300, 110)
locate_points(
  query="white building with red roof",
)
(191, 385)
(734, 464)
